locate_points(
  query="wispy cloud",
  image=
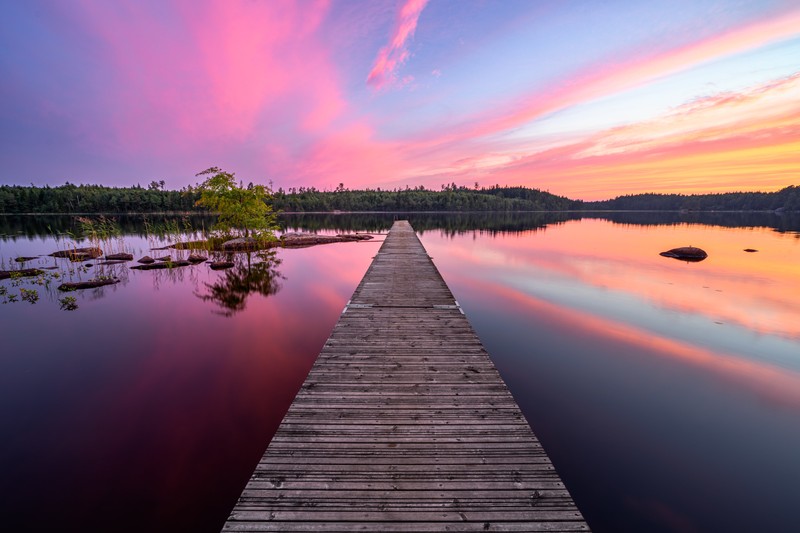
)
(607, 79)
(745, 140)
(756, 110)
(395, 53)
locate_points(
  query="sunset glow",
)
(585, 99)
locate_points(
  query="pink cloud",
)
(351, 155)
(220, 77)
(395, 53)
(604, 80)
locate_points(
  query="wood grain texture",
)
(404, 424)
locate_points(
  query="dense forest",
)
(787, 199)
(70, 198)
(450, 198)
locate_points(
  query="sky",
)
(584, 99)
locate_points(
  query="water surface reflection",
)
(146, 409)
(662, 390)
(666, 393)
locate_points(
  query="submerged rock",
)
(146, 260)
(112, 262)
(287, 240)
(158, 266)
(25, 272)
(686, 253)
(220, 265)
(750, 250)
(120, 257)
(244, 244)
(24, 259)
(79, 254)
(187, 245)
(164, 258)
(91, 284)
(197, 258)
(299, 240)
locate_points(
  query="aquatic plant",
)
(29, 295)
(68, 303)
(102, 232)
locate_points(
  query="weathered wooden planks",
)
(404, 424)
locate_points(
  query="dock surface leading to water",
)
(404, 424)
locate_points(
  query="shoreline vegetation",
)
(240, 240)
(97, 254)
(92, 199)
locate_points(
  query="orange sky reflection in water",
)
(752, 293)
(776, 386)
(754, 290)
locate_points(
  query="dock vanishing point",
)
(404, 424)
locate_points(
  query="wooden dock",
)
(404, 424)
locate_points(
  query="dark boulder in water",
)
(686, 253)
(750, 250)
(147, 260)
(220, 265)
(119, 257)
(79, 254)
(161, 266)
(5, 274)
(91, 284)
(301, 240)
(244, 244)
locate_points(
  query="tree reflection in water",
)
(249, 275)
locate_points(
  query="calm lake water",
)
(667, 393)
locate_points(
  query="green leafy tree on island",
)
(241, 209)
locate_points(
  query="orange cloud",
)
(395, 52)
(772, 106)
(748, 140)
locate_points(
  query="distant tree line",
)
(449, 198)
(70, 198)
(787, 199)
